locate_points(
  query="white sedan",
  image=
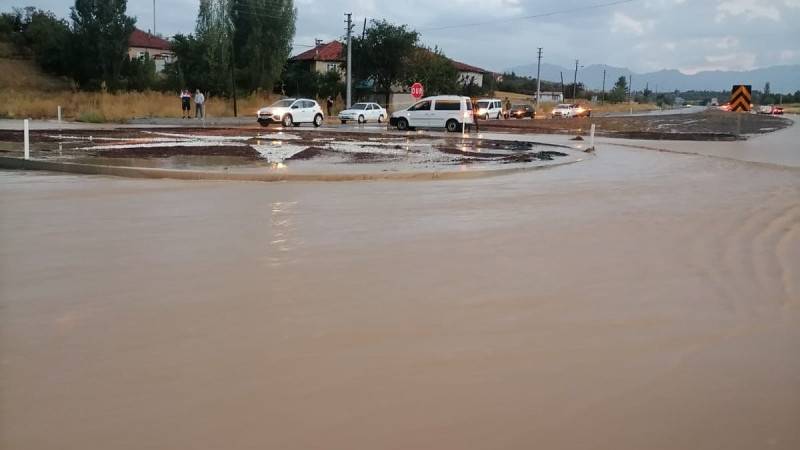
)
(364, 112)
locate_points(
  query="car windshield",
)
(359, 106)
(563, 105)
(283, 103)
(483, 104)
(519, 107)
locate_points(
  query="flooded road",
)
(640, 300)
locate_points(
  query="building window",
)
(333, 66)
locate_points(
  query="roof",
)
(146, 40)
(461, 67)
(332, 51)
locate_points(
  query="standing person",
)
(186, 103)
(508, 108)
(475, 114)
(329, 103)
(199, 103)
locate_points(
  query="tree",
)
(190, 69)
(263, 31)
(215, 32)
(49, 40)
(619, 91)
(100, 42)
(382, 55)
(433, 70)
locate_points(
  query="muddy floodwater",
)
(638, 300)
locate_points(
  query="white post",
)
(59, 114)
(591, 138)
(26, 127)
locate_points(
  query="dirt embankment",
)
(705, 126)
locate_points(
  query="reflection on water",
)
(283, 237)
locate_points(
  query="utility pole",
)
(562, 86)
(364, 29)
(575, 84)
(349, 59)
(538, 79)
(154, 18)
(603, 100)
(233, 81)
(630, 88)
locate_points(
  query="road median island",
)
(703, 126)
(247, 155)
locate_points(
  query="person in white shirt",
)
(199, 103)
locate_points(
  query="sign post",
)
(26, 132)
(417, 90)
(741, 97)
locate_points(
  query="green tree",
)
(382, 55)
(431, 68)
(619, 91)
(263, 31)
(190, 69)
(49, 40)
(215, 31)
(100, 41)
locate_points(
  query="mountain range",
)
(782, 79)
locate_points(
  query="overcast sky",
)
(643, 35)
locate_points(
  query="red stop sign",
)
(417, 90)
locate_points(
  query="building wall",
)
(464, 77)
(161, 57)
(324, 66)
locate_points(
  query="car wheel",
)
(380, 118)
(287, 120)
(318, 120)
(344, 122)
(361, 119)
(264, 124)
(486, 116)
(402, 124)
(498, 116)
(451, 125)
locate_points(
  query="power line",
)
(534, 16)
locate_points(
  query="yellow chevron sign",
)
(741, 97)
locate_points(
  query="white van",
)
(442, 111)
(489, 108)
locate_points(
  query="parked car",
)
(521, 112)
(490, 108)
(770, 109)
(291, 111)
(364, 112)
(567, 110)
(448, 111)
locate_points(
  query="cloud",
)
(621, 22)
(751, 9)
(726, 61)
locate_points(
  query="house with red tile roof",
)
(323, 57)
(141, 43)
(467, 73)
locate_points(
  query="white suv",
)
(291, 111)
(489, 108)
(448, 111)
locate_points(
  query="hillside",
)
(23, 75)
(784, 79)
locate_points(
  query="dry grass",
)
(791, 108)
(23, 74)
(545, 108)
(105, 107)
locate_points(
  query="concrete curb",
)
(145, 172)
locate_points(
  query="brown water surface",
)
(638, 300)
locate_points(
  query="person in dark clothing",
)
(186, 103)
(329, 103)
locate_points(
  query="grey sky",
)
(643, 35)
